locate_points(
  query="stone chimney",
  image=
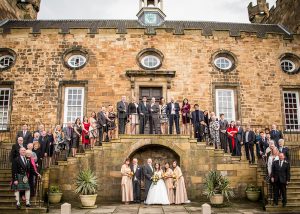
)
(19, 9)
(258, 12)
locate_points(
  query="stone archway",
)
(158, 153)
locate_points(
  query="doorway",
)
(150, 92)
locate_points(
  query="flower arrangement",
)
(130, 174)
(155, 179)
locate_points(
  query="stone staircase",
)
(293, 192)
(7, 198)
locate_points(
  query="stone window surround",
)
(291, 57)
(226, 54)
(8, 84)
(149, 51)
(284, 88)
(9, 52)
(74, 51)
(61, 96)
(231, 86)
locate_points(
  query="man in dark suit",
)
(280, 177)
(136, 180)
(101, 123)
(122, 107)
(239, 138)
(283, 149)
(262, 144)
(25, 134)
(223, 134)
(249, 141)
(68, 137)
(173, 110)
(198, 121)
(276, 135)
(148, 173)
(21, 167)
(143, 114)
(154, 118)
(15, 149)
(43, 140)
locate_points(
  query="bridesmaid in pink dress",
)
(85, 132)
(169, 181)
(181, 196)
(126, 184)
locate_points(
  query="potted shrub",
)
(86, 187)
(55, 194)
(216, 187)
(253, 192)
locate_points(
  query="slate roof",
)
(177, 27)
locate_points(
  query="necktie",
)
(24, 133)
(24, 160)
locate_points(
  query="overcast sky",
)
(199, 10)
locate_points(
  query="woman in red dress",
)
(186, 114)
(85, 132)
(232, 131)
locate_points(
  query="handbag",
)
(86, 137)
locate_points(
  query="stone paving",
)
(193, 208)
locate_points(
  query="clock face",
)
(151, 18)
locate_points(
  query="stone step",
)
(5, 171)
(23, 210)
(5, 179)
(5, 175)
(293, 188)
(7, 195)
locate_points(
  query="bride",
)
(158, 192)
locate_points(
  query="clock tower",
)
(151, 12)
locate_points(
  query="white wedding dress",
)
(158, 192)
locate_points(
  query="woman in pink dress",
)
(85, 132)
(181, 196)
(126, 184)
(186, 114)
(169, 181)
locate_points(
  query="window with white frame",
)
(74, 100)
(5, 94)
(291, 110)
(150, 61)
(223, 63)
(225, 103)
(76, 61)
(6, 61)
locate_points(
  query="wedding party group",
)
(163, 185)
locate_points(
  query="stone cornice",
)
(150, 73)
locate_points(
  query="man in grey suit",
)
(122, 107)
(223, 134)
(154, 118)
(148, 172)
(240, 137)
(68, 135)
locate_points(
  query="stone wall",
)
(14, 9)
(195, 160)
(39, 75)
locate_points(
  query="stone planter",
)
(54, 198)
(88, 200)
(217, 199)
(253, 195)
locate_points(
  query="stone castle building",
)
(19, 9)
(286, 13)
(53, 71)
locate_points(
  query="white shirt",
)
(246, 138)
(172, 108)
(270, 162)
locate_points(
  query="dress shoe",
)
(28, 205)
(284, 205)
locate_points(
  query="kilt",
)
(23, 183)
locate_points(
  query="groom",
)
(148, 172)
(136, 181)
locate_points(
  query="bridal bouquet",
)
(155, 179)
